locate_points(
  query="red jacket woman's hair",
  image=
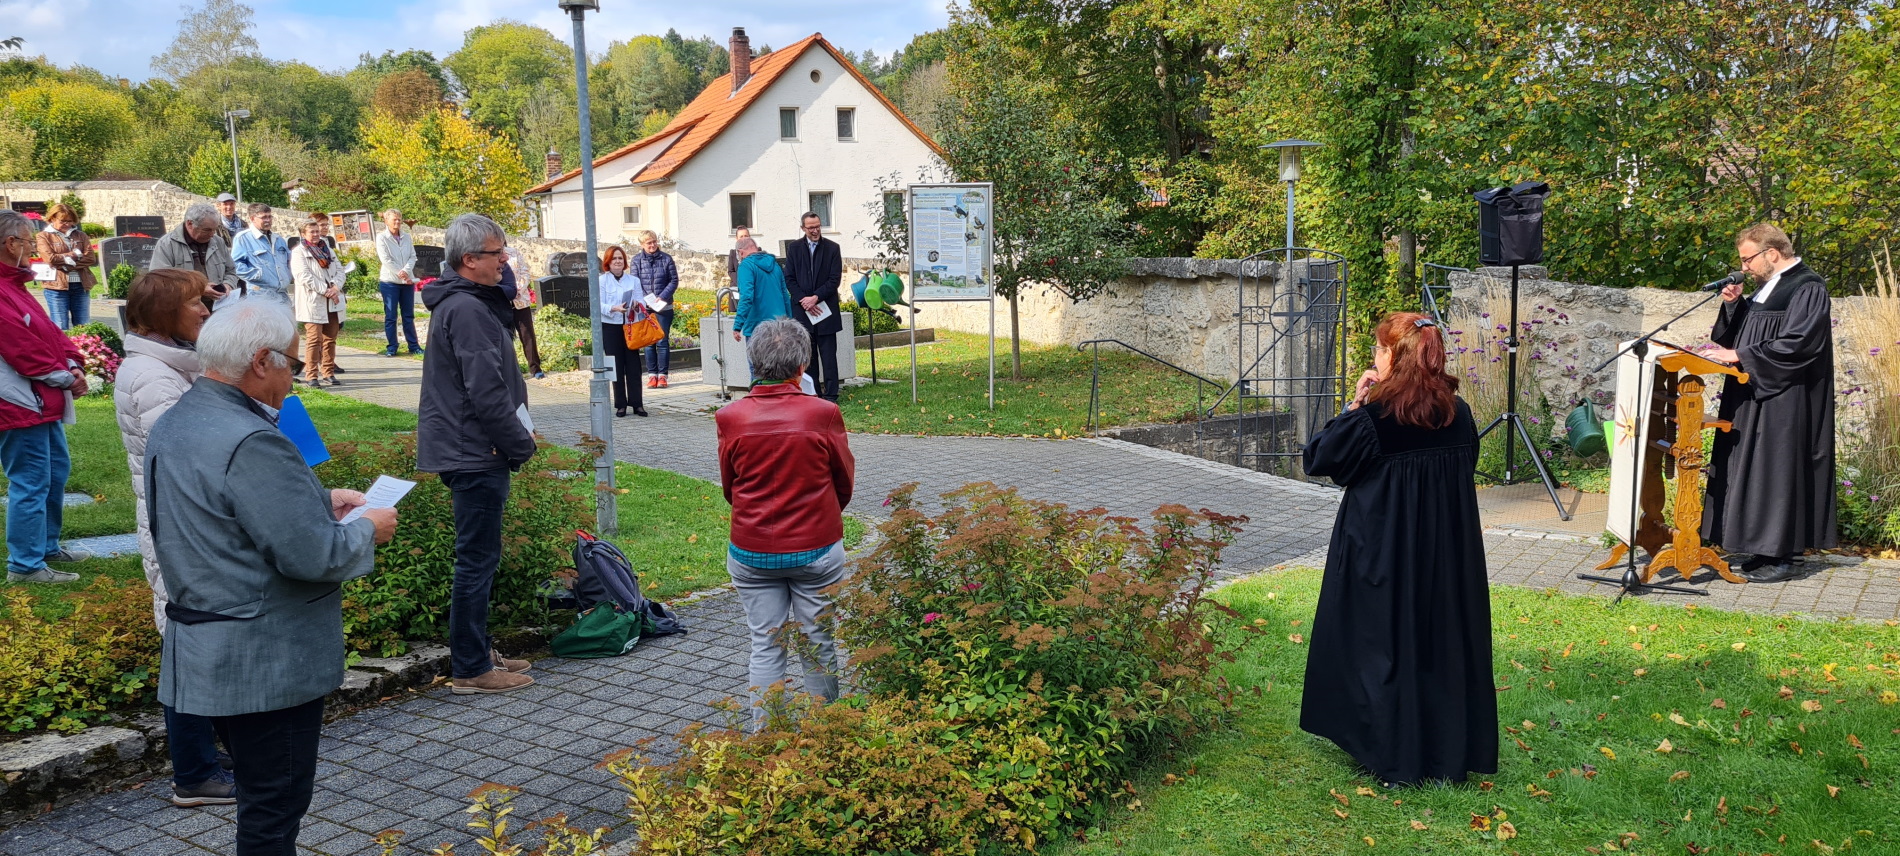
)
(607, 258)
(1417, 391)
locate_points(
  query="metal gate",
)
(1292, 355)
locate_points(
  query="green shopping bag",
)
(604, 631)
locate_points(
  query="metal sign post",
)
(952, 249)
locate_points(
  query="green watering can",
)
(1586, 433)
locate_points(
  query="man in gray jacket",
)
(473, 429)
(197, 244)
(252, 552)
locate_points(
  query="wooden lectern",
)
(1659, 422)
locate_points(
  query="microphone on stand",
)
(1719, 284)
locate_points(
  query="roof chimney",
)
(554, 163)
(741, 58)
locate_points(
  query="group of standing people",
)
(631, 289)
(805, 289)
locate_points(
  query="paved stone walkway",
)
(410, 765)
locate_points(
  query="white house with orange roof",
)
(799, 129)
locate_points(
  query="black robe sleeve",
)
(1343, 450)
(1728, 322)
(1777, 363)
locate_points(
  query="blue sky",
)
(120, 37)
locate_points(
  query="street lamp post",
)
(1290, 173)
(230, 124)
(600, 420)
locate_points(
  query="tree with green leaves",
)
(209, 39)
(1058, 216)
(408, 94)
(210, 174)
(499, 66)
(73, 126)
(16, 147)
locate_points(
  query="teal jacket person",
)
(762, 295)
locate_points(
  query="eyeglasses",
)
(1747, 259)
(297, 365)
(489, 252)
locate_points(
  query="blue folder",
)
(295, 422)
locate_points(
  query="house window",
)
(630, 214)
(741, 210)
(788, 123)
(894, 207)
(847, 123)
(821, 206)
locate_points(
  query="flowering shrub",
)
(105, 333)
(561, 336)
(101, 361)
(1478, 353)
(1868, 499)
(119, 281)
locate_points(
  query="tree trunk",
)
(1015, 341)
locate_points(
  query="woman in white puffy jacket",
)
(164, 310)
(317, 300)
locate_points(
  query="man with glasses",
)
(253, 550)
(473, 429)
(1771, 481)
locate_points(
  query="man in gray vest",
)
(253, 553)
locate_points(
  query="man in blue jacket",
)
(473, 429)
(262, 259)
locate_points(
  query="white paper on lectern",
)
(1635, 389)
(385, 493)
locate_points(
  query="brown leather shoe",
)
(495, 681)
(507, 665)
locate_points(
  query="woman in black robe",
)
(1399, 673)
(1771, 483)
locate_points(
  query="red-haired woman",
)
(619, 300)
(1399, 673)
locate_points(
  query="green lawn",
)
(1051, 399)
(1634, 728)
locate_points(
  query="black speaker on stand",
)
(1511, 232)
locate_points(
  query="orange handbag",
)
(643, 332)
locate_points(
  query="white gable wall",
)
(693, 208)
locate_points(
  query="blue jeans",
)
(37, 463)
(397, 296)
(193, 746)
(660, 353)
(69, 308)
(478, 499)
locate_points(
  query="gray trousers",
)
(770, 598)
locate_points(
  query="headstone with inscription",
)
(567, 292)
(567, 264)
(130, 250)
(150, 227)
(428, 261)
(25, 207)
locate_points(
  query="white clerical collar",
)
(1761, 294)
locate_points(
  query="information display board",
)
(951, 239)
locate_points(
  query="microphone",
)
(1717, 285)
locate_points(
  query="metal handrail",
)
(719, 355)
(1435, 289)
(1095, 376)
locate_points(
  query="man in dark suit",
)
(814, 266)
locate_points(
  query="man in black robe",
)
(1771, 484)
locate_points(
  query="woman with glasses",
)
(1399, 672)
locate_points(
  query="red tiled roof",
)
(717, 107)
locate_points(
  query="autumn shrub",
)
(63, 673)
(1869, 490)
(407, 597)
(562, 336)
(869, 775)
(1099, 624)
(119, 281)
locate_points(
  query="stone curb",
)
(43, 772)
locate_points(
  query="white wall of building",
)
(749, 157)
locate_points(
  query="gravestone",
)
(428, 261)
(133, 251)
(25, 207)
(568, 264)
(150, 227)
(567, 292)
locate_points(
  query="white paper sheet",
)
(821, 313)
(385, 493)
(521, 413)
(654, 303)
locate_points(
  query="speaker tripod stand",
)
(1513, 423)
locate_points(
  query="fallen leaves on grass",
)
(1678, 776)
(1506, 831)
(1607, 752)
(1665, 747)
